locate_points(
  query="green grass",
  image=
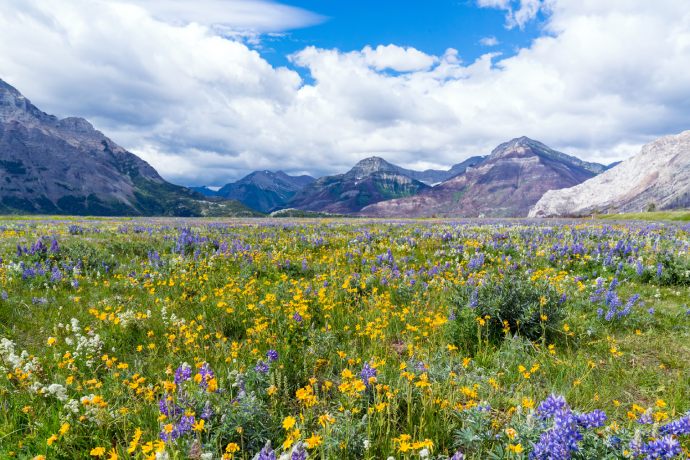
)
(681, 216)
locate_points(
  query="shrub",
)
(512, 305)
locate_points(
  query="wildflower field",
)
(344, 339)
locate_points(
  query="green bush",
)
(512, 305)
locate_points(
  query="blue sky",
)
(204, 90)
(430, 26)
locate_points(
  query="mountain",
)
(206, 191)
(54, 166)
(435, 176)
(265, 191)
(507, 183)
(657, 177)
(369, 181)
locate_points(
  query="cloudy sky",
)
(208, 90)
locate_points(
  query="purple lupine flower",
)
(645, 419)
(163, 405)
(659, 270)
(551, 405)
(367, 373)
(55, 274)
(261, 367)
(266, 453)
(183, 373)
(185, 425)
(297, 317)
(594, 419)
(4, 295)
(299, 452)
(474, 299)
(678, 427)
(207, 411)
(666, 447)
(272, 355)
(458, 456)
(206, 375)
(561, 440)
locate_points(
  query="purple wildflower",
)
(458, 456)
(299, 452)
(678, 427)
(666, 447)
(183, 373)
(367, 373)
(551, 405)
(261, 367)
(207, 411)
(594, 419)
(561, 440)
(474, 299)
(266, 453)
(272, 355)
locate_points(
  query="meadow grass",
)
(332, 338)
(681, 216)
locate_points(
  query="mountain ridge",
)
(657, 177)
(507, 183)
(66, 166)
(370, 180)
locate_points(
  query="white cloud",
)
(607, 77)
(518, 12)
(489, 41)
(251, 15)
(397, 58)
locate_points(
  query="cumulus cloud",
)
(203, 109)
(489, 41)
(518, 12)
(397, 58)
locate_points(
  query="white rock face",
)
(659, 175)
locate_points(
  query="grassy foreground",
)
(344, 339)
(681, 216)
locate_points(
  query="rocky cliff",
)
(658, 177)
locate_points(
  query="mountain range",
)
(507, 183)
(264, 191)
(65, 166)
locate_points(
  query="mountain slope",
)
(505, 184)
(265, 191)
(658, 176)
(369, 181)
(54, 166)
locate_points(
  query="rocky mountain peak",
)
(15, 107)
(76, 125)
(66, 166)
(519, 147)
(371, 165)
